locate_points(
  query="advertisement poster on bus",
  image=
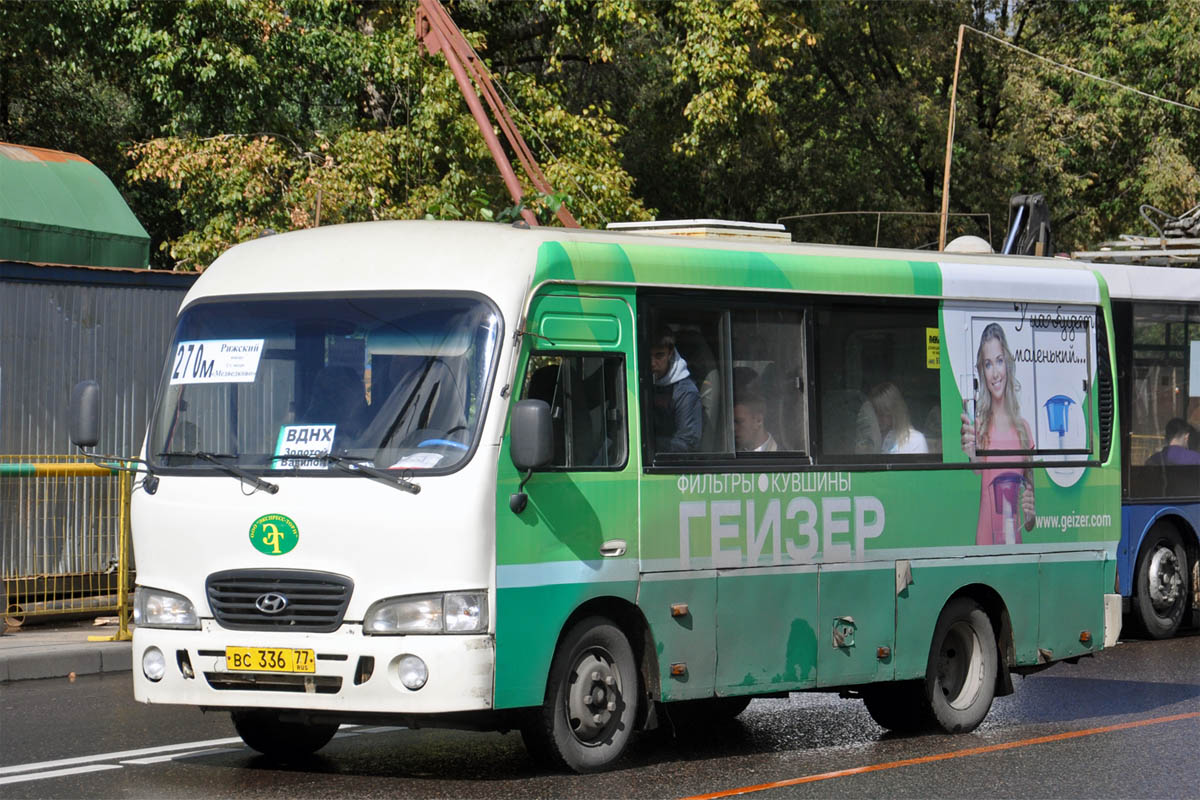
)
(1024, 373)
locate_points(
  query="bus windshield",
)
(281, 385)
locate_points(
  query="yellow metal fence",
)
(65, 547)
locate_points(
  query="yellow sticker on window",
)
(933, 349)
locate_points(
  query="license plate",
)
(269, 659)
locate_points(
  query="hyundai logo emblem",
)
(271, 603)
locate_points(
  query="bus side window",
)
(683, 371)
(879, 398)
(769, 373)
(586, 395)
(1163, 413)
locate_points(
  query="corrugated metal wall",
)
(75, 324)
(58, 326)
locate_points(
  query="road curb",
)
(59, 661)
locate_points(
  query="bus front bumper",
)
(348, 672)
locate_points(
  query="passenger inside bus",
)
(1176, 451)
(899, 435)
(749, 428)
(678, 417)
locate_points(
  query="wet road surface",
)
(1125, 723)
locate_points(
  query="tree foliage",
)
(221, 118)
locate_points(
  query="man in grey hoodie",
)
(678, 418)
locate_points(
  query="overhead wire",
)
(1078, 71)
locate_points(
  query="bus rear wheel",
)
(960, 681)
(591, 700)
(266, 733)
(1161, 583)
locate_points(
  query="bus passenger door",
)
(576, 537)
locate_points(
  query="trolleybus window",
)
(1165, 401)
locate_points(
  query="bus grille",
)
(242, 600)
(308, 684)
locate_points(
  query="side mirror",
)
(532, 442)
(85, 414)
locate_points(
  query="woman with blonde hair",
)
(999, 426)
(899, 436)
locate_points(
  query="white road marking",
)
(145, 751)
(181, 756)
(143, 756)
(59, 773)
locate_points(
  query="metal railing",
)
(65, 546)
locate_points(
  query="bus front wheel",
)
(266, 733)
(1161, 589)
(960, 680)
(591, 700)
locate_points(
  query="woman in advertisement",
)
(998, 433)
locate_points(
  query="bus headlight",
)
(454, 612)
(155, 608)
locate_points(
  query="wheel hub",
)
(1166, 581)
(960, 666)
(595, 696)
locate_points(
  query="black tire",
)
(264, 732)
(1161, 591)
(960, 681)
(898, 707)
(708, 711)
(591, 700)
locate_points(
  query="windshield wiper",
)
(228, 469)
(356, 465)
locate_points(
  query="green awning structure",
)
(59, 208)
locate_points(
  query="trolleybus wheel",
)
(266, 733)
(960, 680)
(591, 700)
(1161, 588)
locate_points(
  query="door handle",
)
(613, 548)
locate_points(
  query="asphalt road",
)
(1123, 724)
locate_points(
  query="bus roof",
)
(1133, 282)
(504, 261)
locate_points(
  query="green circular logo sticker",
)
(274, 534)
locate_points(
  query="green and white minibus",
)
(572, 482)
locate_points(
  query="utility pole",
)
(950, 143)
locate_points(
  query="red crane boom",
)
(437, 31)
